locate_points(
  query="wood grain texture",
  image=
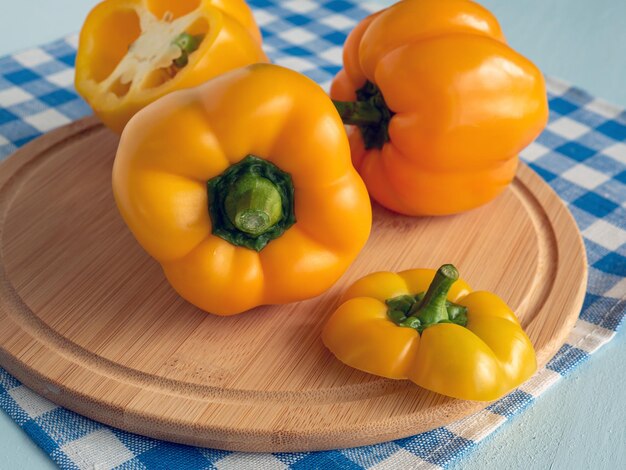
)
(89, 321)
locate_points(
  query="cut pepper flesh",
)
(154, 49)
(132, 52)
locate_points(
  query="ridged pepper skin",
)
(127, 51)
(459, 104)
(173, 147)
(483, 360)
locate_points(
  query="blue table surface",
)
(577, 424)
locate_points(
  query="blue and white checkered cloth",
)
(581, 154)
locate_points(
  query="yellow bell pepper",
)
(131, 52)
(439, 105)
(431, 328)
(243, 189)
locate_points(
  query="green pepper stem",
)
(369, 113)
(432, 309)
(358, 113)
(253, 204)
(187, 44)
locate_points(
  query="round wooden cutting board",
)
(89, 321)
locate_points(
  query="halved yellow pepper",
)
(243, 189)
(132, 52)
(431, 328)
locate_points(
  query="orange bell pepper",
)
(439, 104)
(132, 52)
(242, 188)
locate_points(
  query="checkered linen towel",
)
(581, 154)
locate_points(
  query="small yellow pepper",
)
(431, 328)
(243, 189)
(131, 52)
